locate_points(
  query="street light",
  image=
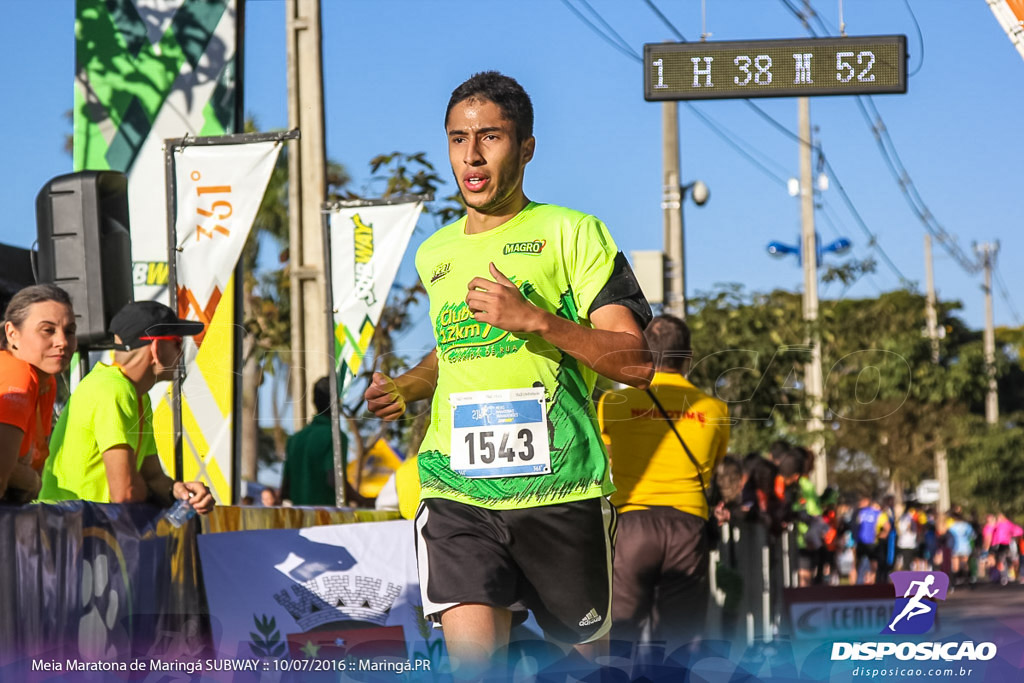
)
(781, 250)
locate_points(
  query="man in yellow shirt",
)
(661, 552)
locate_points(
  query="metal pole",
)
(988, 252)
(307, 189)
(340, 464)
(672, 205)
(238, 334)
(172, 287)
(809, 256)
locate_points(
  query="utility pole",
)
(307, 190)
(987, 253)
(809, 255)
(931, 315)
(931, 318)
(672, 205)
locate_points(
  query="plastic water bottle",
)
(180, 513)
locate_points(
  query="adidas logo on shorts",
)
(592, 618)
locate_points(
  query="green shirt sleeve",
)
(591, 260)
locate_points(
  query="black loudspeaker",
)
(85, 247)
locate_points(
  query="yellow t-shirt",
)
(649, 466)
(407, 485)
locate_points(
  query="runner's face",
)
(46, 339)
(486, 157)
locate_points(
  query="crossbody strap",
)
(696, 465)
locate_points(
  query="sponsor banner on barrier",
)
(345, 593)
(148, 70)
(367, 246)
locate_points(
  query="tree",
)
(985, 465)
(266, 302)
(888, 406)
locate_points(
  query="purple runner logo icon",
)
(915, 604)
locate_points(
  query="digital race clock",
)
(861, 65)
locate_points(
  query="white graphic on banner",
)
(367, 245)
(327, 592)
(219, 191)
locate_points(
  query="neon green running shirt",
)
(103, 412)
(560, 259)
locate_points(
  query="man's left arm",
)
(614, 347)
(165, 490)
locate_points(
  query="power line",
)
(1005, 293)
(906, 184)
(622, 41)
(872, 238)
(889, 153)
(730, 138)
(920, 38)
(664, 20)
(626, 50)
(725, 135)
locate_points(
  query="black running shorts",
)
(555, 560)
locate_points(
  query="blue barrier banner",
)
(329, 596)
(87, 584)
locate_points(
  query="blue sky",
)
(390, 66)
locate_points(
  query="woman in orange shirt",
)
(37, 343)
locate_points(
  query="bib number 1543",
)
(485, 450)
(501, 433)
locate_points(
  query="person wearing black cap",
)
(102, 448)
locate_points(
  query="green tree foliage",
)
(986, 467)
(887, 405)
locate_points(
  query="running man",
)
(915, 606)
(529, 303)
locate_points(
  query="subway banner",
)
(147, 70)
(1010, 15)
(366, 247)
(218, 191)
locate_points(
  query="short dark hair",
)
(669, 340)
(322, 395)
(792, 462)
(505, 92)
(19, 305)
(778, 449)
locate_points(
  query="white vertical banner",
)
(367, 246)
(219, 189)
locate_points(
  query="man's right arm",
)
(387, 398)
(123, 478)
